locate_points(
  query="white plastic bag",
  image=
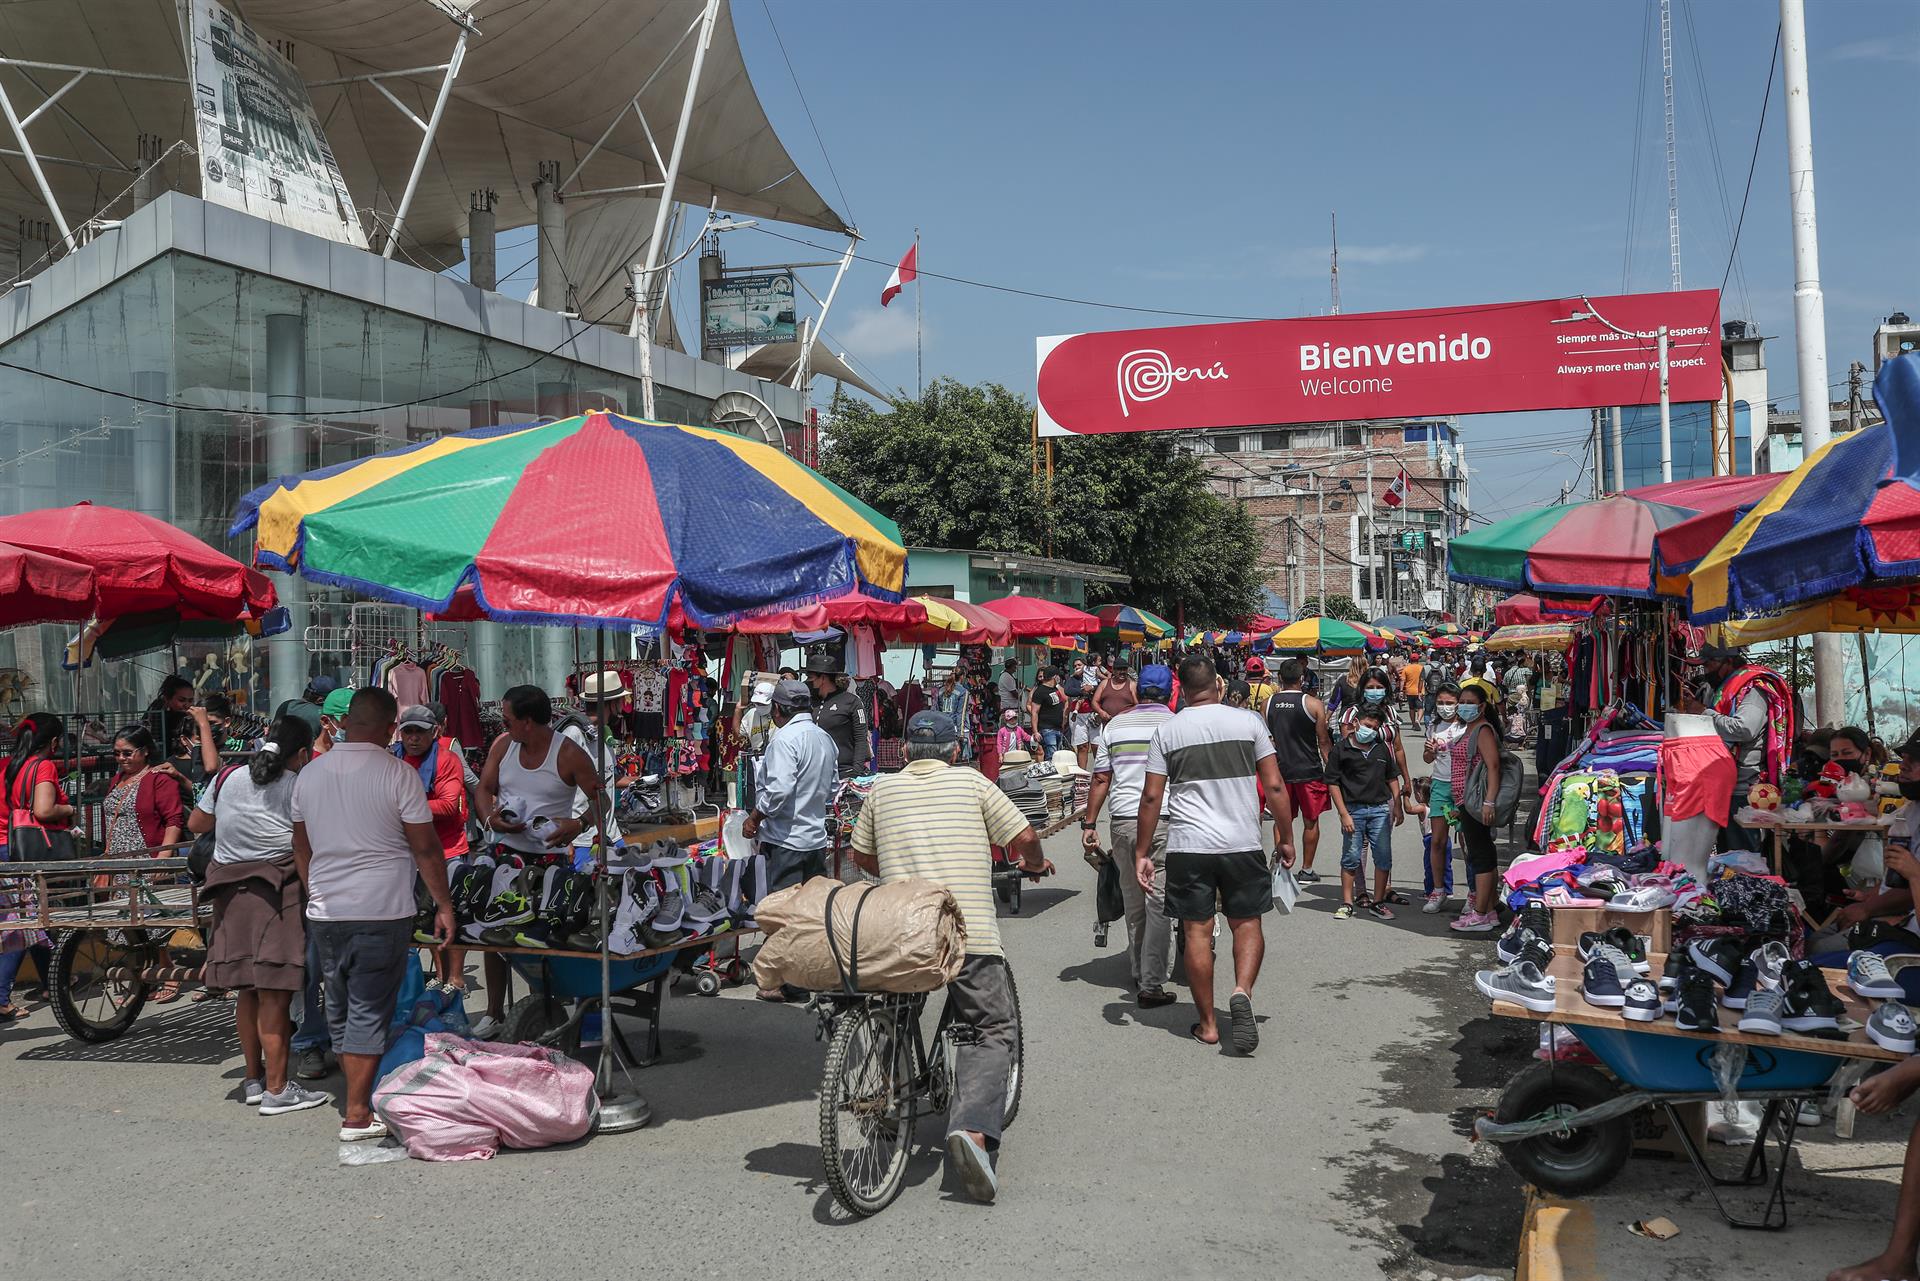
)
(1286, 891)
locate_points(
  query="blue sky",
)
(1186, 157)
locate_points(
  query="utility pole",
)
(1856, 377)
(1372, 583)
(1335, 219)
(1673, 172)
(1809, 315)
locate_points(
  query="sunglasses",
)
(124, 753)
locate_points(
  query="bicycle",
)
(879, 1081)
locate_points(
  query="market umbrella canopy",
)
(141, 564)
(1527, 610)
(1029, 616)
(1552, 636)
(1133, 624)
(1400, 623)
(954, 622)
(38, 588)
(1325, 636)
(1847, 518)
(599, 519)
(1604, 547)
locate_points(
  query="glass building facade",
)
(1692, 430)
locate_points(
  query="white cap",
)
(763, 694)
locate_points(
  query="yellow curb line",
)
(1557, 1241)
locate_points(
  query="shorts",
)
(1310, 799)
(1477, 840)
(1440, 802)
(1084, 729)
(1241, 884)
(363, 963)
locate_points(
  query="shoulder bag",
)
(27, 840)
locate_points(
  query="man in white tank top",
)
(527, 798)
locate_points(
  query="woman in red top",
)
(31, 783)
(143, 810)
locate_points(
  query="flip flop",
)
(1194, 1032)
(1246, 1036)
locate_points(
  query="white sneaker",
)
(1435, 902)
(486, 1027)
(375, 1128)
(252, 1090)
(295, 1098)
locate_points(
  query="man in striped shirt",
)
(935, 823)
(1119, 774)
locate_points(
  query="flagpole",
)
(920, 285)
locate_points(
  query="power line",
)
(1639, 132)
(1759, 129)
(838, 189)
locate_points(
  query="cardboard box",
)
(1654, 1135)
(1569, 923)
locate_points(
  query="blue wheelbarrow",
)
(1569, 1129)
(565, 989)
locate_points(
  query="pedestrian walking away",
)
(789, 817)
(1297, 722)
(1207, 769)
(1119, 775)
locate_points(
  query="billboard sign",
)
(1495, 358)
(261, 146)
(745, 311)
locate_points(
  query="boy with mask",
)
(1363, 782)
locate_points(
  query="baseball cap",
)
(1256, 666)
(929, 728)
(336, 703)
(763, 693)
(319, 687)
(417, 717)
(1157, 676)
(793, 694)
(1911, 747)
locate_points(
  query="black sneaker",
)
(1675, 971)
(1537, 917)
(1641, 1001)
(1721, 957)
(1695, 1009)
(1634, 945)
(1810, 1006)
(1306, 876)
(314, 1065)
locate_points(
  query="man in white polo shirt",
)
(361, 831)
(1120, 772)
(1203, 766)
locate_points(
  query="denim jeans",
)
(10, 963)
(1051, 740)
(312, 1033)
(1371, 825)
(1426, 864)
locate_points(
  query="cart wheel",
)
(1013, 894)
(1003, 892)
(88, 1005)
(706, 982)
(1017, 1077)
(1571, 1161)
(539, 1018)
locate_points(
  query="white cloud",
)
(1901, 48)
(876, 331)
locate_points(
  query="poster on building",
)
(261, 147)
(745, 311)
(1553, 353)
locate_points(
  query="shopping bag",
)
(1286, 891)
(1110, 903)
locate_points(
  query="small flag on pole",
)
(1396, 492)
(905, 274)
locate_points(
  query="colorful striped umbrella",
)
(1325, 636)
(1846, 519)
(1133, 625)
(1443, 629)
(598, 520)
(1605, 547)
(955, 622)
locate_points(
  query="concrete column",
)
(153, 447)
(149, 182)
(286, 455)
(481, 229)
(709, 271)
(551, 221)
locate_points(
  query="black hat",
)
(1911, 747)
(824, 660)
(932, 729)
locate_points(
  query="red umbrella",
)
(841, 611)
(1032, 617)
(1528, 610)
(983, 626)
(38, 588)
(142, 564)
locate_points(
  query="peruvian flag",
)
(905, 274)
(1396, 492)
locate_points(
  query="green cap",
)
(336, 703)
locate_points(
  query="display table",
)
(1786, 828)
(699, 829)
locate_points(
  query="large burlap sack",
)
(911, 937)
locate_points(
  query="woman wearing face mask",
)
(1376, 695)
(1441, 751)
(1346, 690)
(1479, 741)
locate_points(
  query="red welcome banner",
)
(1496, 358)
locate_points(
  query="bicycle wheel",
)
(88, 1004)
(864, 1131)
(1015, 1078)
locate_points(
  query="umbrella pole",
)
(621, 1107)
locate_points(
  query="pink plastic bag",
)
(463, 1100)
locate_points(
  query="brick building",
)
(1307, 489)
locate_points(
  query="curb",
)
(1557, 1241)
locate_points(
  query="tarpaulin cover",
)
(954, 622)
(598, 520)
(1549, 636)
(1604, 547)
(1526, 609)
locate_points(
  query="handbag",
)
(1110, 903)
(200, 857)
(1286, 891)
(29, 842)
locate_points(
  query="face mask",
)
(1374, 694)
(1447, 711)
(1469, 711)
(1910, 790)
(1365, 734)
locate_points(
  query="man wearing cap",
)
(307, 706)
(443, 774)
(839, 711)
(934, 822)
(591, 731)
(1740, 714)
(795, 786)
(1119, 773)
(752, 727)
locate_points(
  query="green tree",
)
(955, 469)
(1337, 606)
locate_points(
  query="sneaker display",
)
(1891, 1027)
(1629, 944)
(295, 1098)
(1868, 976)
(1721, 957)
(1694, 1009)
(1810, 1005)
(1522, 944)
(1640, 1001)
(1764, 967)
(1601, 981)
(1762, 1014)
(1678, 966)
(508, 903)
(1522, 984)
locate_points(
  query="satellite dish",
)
(745, 414)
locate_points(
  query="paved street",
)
(1338, 1151)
